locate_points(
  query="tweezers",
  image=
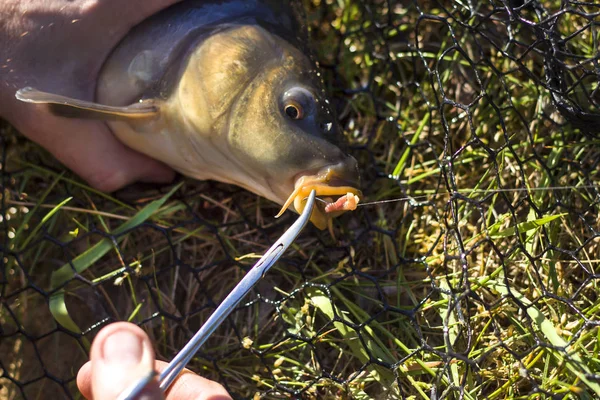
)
(256, 273)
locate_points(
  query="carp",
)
(224, 90)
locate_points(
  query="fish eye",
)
(297, 103)
(294, 110)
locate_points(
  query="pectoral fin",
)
(74, 108)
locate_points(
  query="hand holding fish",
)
(60, 47)
(121, 354)
(215, 89)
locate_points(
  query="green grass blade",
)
(402, 163)
(58, 309)
(449, 319)
(523, 227)
(322, 302)
(60, 176)
(135, 312)
(44, 220)
(573, 361)
(82, 262)
(28, 216)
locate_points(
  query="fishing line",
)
(472, 191)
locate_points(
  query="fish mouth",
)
(331, 182)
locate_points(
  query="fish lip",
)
(330, 181)
(333, 181)
(328, 175)
(325, 180)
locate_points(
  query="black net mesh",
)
(482, 282)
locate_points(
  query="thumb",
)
(120, 355)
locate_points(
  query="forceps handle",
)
(231, 301)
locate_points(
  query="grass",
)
(482, 283)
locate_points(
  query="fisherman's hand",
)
(121, 354)
(59, 46)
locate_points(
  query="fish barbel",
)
(224, 90)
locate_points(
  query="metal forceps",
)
(256, 273)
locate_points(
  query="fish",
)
(224, 90)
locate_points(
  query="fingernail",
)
(124, 348)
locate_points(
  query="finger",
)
(90, 150)
(187, 385)
(121, 355)
(190, 386)
(130, 12)
(84, 380)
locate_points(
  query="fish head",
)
(268, 103)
